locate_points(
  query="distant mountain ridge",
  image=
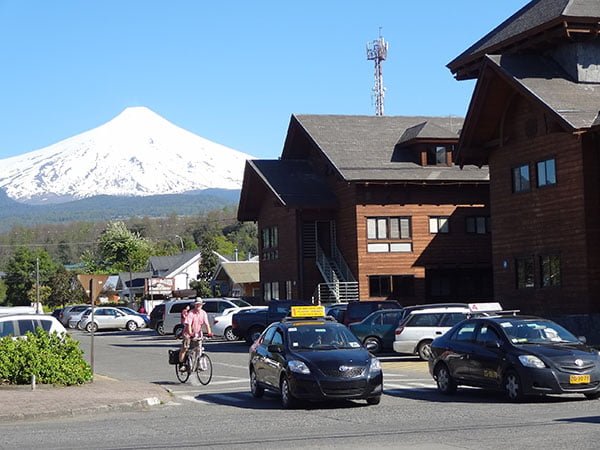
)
(136, 154)
(104, 207)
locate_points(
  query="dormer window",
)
(437, 156)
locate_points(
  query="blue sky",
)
(232, 71)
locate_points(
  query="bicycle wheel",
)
(182, 370)
(204, 369)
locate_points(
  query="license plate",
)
(579, 379)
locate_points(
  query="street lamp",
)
(181, 241)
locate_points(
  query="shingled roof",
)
(542, 79)
(540, 22)
(361, 148)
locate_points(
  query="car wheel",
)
(374, 400)
(131, 326)
(229, 336)
(373, 344)
(287, 399)
(160, 328)
(256, 390)
(254, 334)
(91, 327)
(593, 396)
(513, 387)
(424, 350)
(445, 382)
(178, 331)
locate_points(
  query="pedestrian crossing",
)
(236, 391)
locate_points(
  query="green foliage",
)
(65, 289)
(118, 250)
(2, 292)
(52, 358)
(21, 275)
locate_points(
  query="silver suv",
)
(171, 323)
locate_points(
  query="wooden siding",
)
(544, 221)
(456, 249)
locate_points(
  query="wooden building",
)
(367, 207)
(534, 119)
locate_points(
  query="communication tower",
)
(377, 51)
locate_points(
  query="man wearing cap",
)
(192, 327)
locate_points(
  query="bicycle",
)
(196, 361)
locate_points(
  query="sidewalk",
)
(104, 394)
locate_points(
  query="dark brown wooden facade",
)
(533, 120)
(419, 266)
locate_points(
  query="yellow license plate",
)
(579, 379)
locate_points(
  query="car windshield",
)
(536, 332)
(321, 337)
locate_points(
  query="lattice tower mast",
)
(377, 51)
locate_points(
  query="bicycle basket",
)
(173, 357)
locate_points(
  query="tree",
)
(65, 289)
(208, 265)
(118, 250)
(21, 275)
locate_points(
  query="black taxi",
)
(313, 357)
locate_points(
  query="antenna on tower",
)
(377, 51)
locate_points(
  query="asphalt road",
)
(224, 415)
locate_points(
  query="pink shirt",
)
(196, 318)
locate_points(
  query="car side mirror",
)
(275, 348)
(582, 339)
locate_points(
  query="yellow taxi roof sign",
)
(308, 311)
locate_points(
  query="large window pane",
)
(371, 228)
(382, 228)
(525, 273)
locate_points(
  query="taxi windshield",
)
(536, 332)
(321, 337)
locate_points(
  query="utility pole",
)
(377, 51)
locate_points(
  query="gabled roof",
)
(164, 266)
(540, 79)
(240, 272)
(361, 148)
(294, 184)
(426, 131)
(539, 23)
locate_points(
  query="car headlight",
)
(298, 367)
(375, 365)
(532, 361)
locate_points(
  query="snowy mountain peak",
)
(137, 153)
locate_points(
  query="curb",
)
(139, 405)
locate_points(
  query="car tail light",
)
(399, 331)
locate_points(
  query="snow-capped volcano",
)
(138, 153)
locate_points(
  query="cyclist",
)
(192, 327)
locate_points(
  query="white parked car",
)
(415, 332)
(75, 318)
(222, 324)
(107, 317)
(16, 325)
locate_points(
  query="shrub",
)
(52, 358)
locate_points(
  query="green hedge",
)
(52, 358)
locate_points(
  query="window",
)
(270, 242)
(525, 275)
(520, 178)
(288, 289)
(478, 225)
(465, 332)
(395, 286)
(271, 291)
(550, 268)
(439, 225)
(424, 320)
(487, 335)
(451, 319)
(437, 156)
(546, 173)
(388, 229)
